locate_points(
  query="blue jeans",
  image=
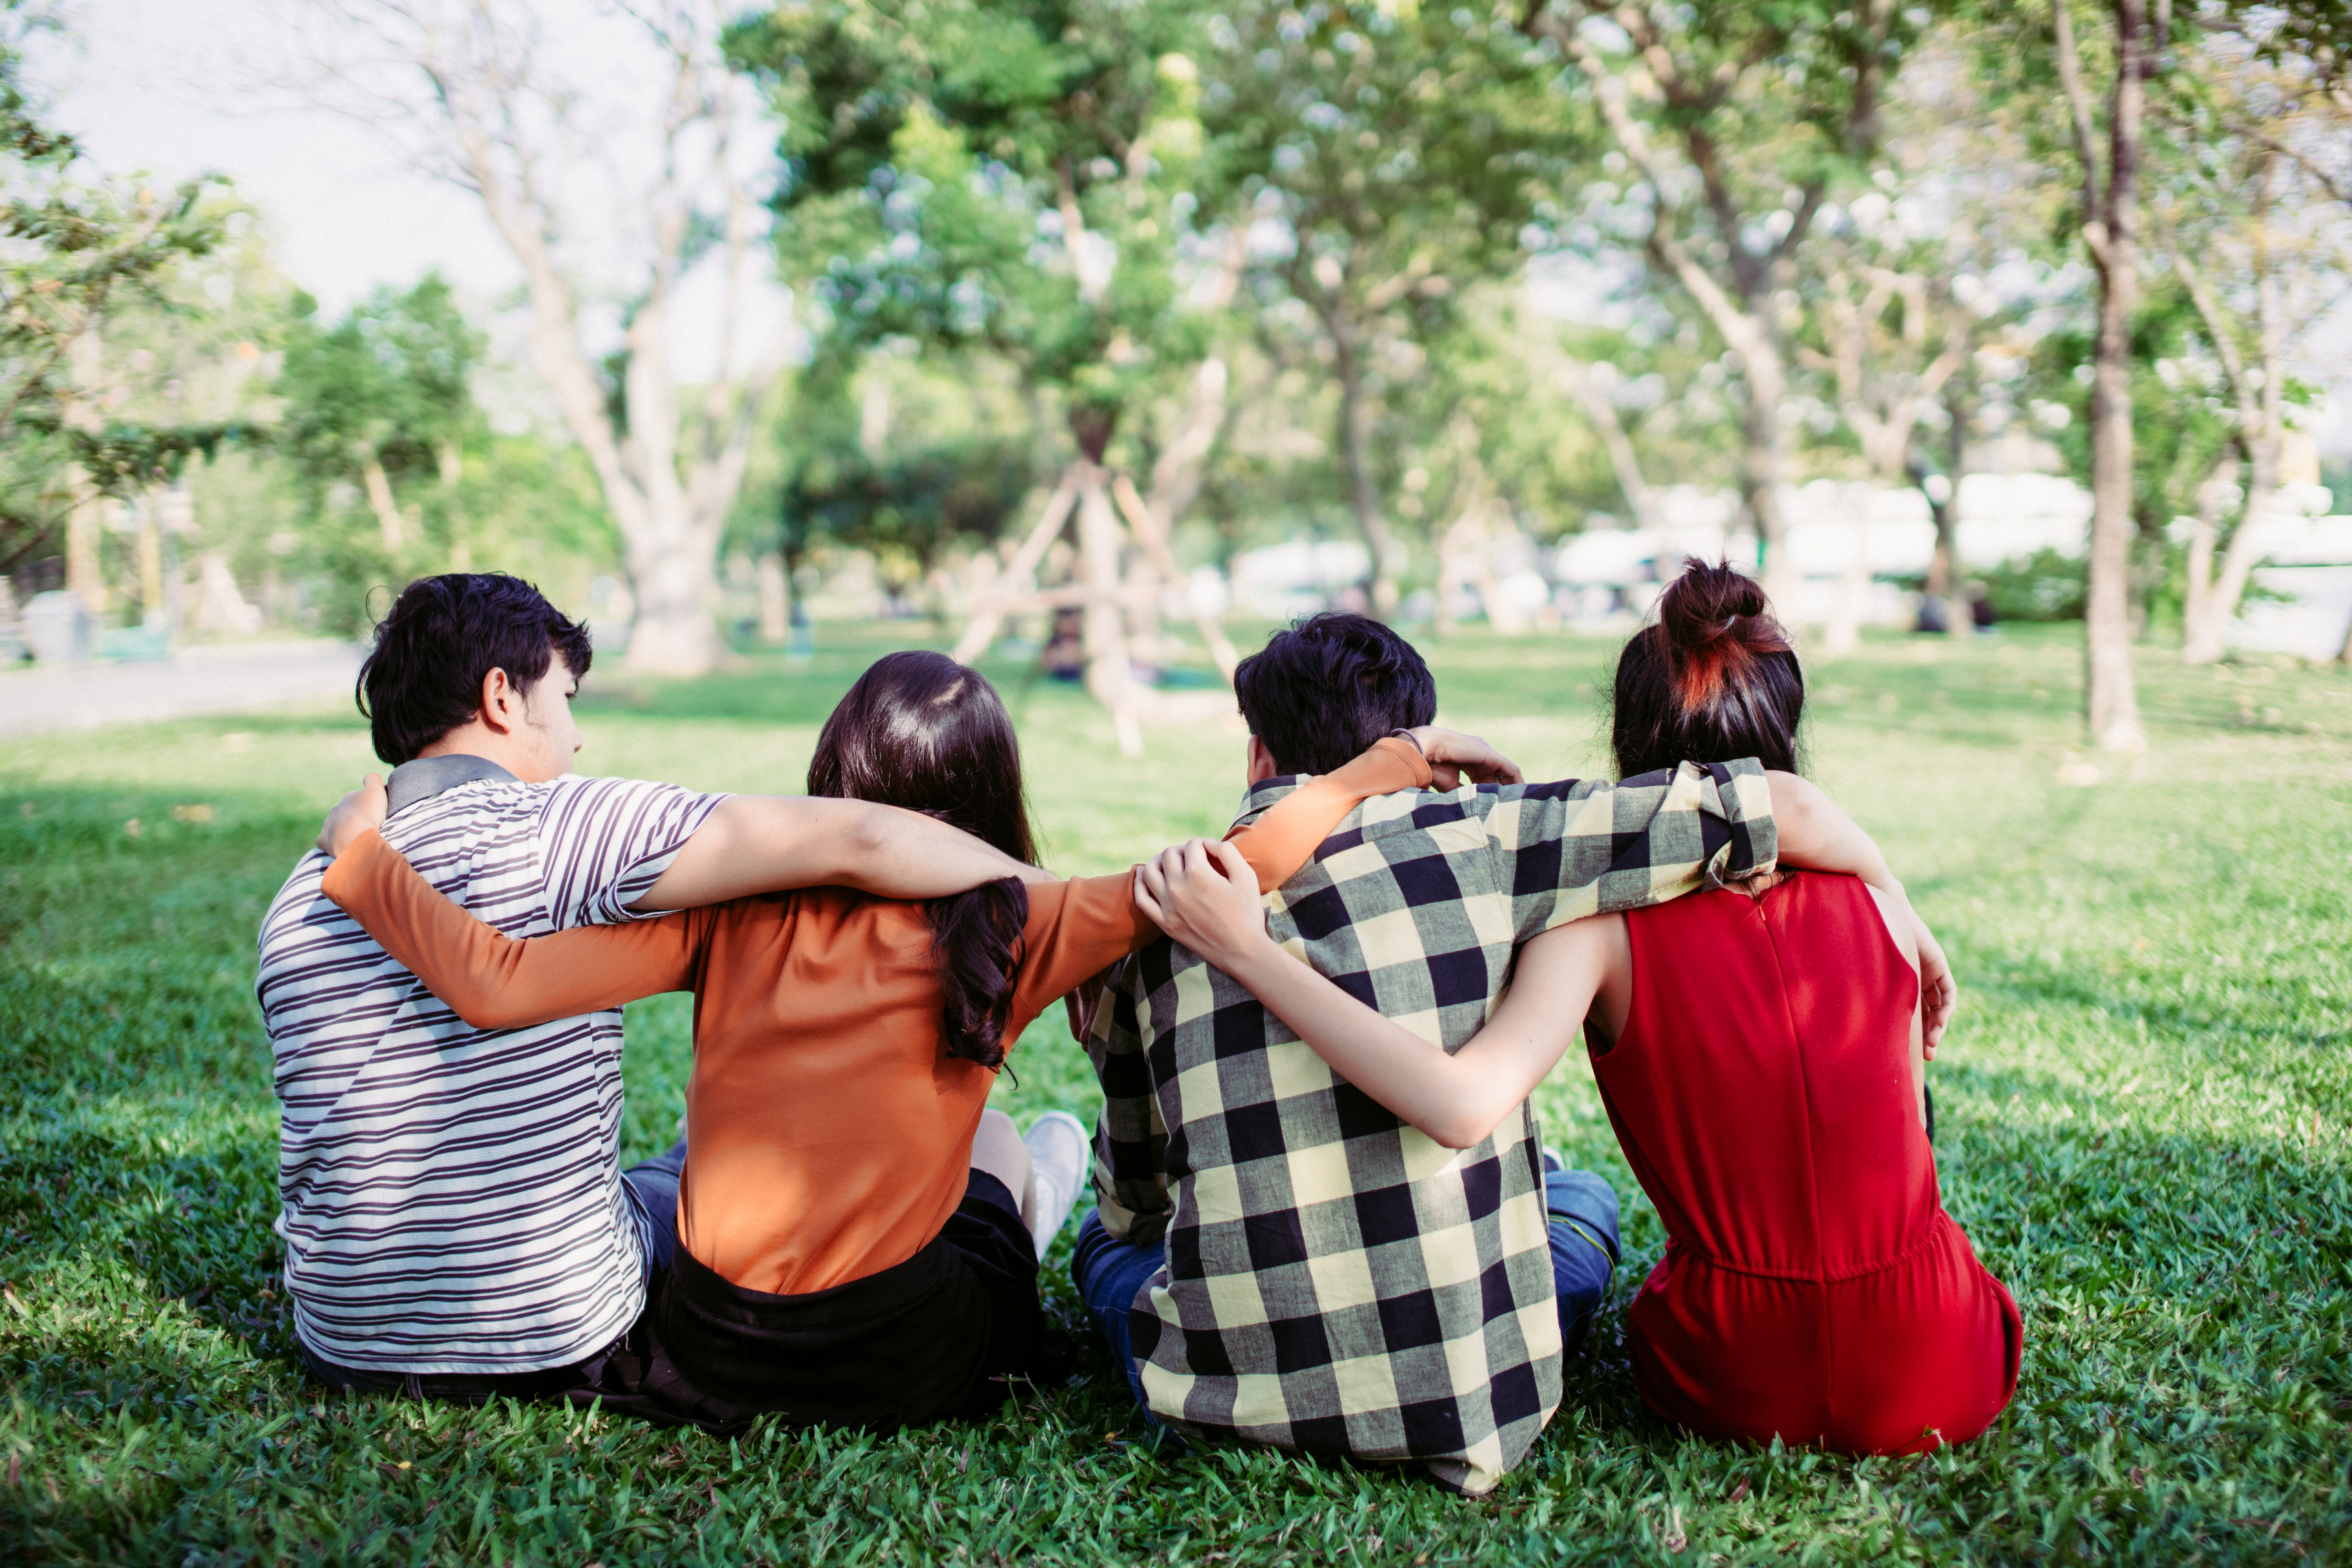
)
(1109, 1273)
(1580, 1207)
(653, 1193)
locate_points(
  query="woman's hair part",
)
(922, 732)
(1712, 679)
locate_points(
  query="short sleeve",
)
(604, 842)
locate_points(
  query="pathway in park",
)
(228, 677)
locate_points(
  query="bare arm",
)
(1202, 896)
(1899, 921)
(768, 843)
(1816, 834)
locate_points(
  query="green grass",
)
(2142, 1115)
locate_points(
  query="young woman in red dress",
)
(1761, 1055)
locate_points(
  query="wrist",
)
(1245, 957)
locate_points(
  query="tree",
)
(2109, 221)
(973, 177)
(1737, 122)
(1401, 149)
(381, 400)
(76, 253)
(2260, 251)
(469, 86)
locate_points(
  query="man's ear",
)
(502, 709)
(1261, 762)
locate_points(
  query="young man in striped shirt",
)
(457, 1223)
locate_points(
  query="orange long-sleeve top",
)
(831, 1132)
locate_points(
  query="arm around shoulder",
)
(766, 843)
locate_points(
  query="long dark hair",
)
(1712, 680)
(922, 731)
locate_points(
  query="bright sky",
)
(175, 88)
(181, 88)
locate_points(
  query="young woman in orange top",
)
(853, 1240)
(1761, 1054)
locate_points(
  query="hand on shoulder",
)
(362, 811)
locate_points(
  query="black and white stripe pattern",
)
(451, 1197)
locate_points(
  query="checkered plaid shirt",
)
(1335, 1281)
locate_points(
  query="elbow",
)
(867, 841)
(1458, 1127)
(490, 1014)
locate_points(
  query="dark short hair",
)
(444, 635)
(1322, 691)
(1713, 680)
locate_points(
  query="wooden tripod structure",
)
(1118, 591)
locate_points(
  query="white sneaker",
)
(1060, 1151)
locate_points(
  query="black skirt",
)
(932, 1339)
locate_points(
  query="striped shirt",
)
(451, 1198)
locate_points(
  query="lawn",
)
(2143, 1120)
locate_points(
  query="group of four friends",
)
(1324, 1215)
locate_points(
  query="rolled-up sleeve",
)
(1587, 846)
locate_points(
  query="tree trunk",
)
(1762, 464)
(2201, 627)
(775, 599)
(2114, 702)
(1944, 567)
(1109, 677)
(2261, 437)
(388, 521)
(1355, 455)
(1602, 413)
(85, 568)
(672, 562)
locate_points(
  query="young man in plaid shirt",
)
(1275, 1258)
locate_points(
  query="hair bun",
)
(1713, 621)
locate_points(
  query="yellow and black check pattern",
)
(1335, 1281)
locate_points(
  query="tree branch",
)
(2078, 104)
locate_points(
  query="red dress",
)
(1813, 1288)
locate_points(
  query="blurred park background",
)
(1092, 339)
(722, 324)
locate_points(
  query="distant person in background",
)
(1761, 1051)
(858, 1235)
(1980, 610)
(455, 1219)
(1064, 657)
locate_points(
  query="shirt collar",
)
(425, 777)
(1260, 796)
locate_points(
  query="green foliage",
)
(909, 508)
(964, 175)
(74, 252)
(391, 383)
(2044, 587)
(2142, 1122)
